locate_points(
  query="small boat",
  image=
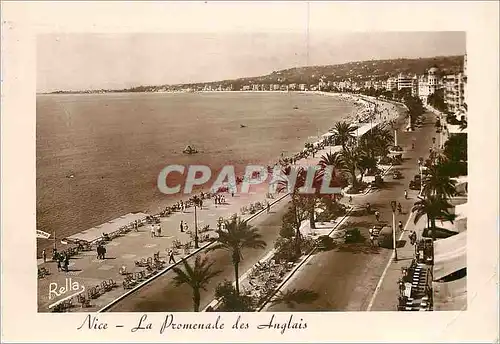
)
(242, 126)
(189, 150)
(295, 107)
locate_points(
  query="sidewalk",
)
(385, 297)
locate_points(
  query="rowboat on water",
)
(189, 150)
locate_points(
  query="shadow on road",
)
(359, 248)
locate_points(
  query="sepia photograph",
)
(251, 185)
(249, 171)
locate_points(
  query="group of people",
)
(183, 227)
(101, 251)
(219, 199)
(62, 259)
(155, 230)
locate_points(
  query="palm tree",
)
(332, 159)
(237, 235)
(351, 158)
(433, 207)
(343, 133)
(437, 182)
(366, 163)
(197, 277)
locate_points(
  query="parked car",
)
(414, 185)
(377, 182)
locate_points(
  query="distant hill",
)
(356, 71)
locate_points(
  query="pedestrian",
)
(58, 265)
(377, 215)
(268, 207)
(98, 249)
(400, 225)
(186, 227)
(153, 229)
(171, 258)
(406, 194)
(400, 209)
(159, 230)
(350, 199)
(66, 263)
(413, 237)
(182, 227)
(182, 206)
(44, 256)
(103, 252)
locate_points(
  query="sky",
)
(113, 61)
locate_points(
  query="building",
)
(454, 92)
(428, 84)
(392, 84)
(465, 84)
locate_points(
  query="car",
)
(414, 185)
(396, 174)
(377, 182)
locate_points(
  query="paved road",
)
(346, 278)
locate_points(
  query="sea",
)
(98, 156)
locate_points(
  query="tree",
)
(291, 221)
(332, 159)
(231, 300)
(436, 100)
(351, 158)
(197, 277)
(433, 207)
(437, 183)
(343, 133)
(237, 236)
(455, 148)
(415, 108)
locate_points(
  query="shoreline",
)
(358, 103)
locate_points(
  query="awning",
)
(450, 255)
(460, 223)
(461, 184)
(450, 296)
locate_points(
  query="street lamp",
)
(420, 167)
(393, 206)
(195, 200)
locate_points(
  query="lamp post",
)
(420, 167)
(393, 206)
(395, 128)
(195, 200)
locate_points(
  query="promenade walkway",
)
(89, 271)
